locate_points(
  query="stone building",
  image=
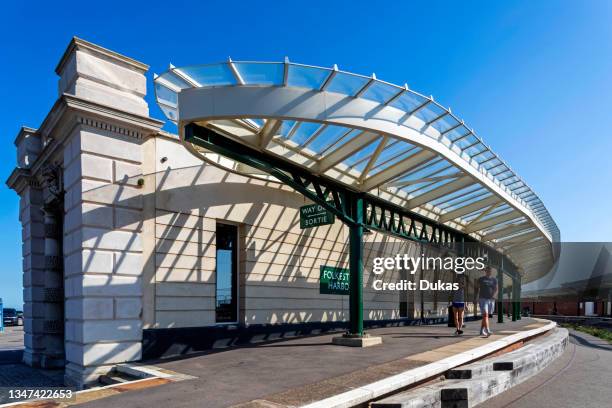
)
(132, 244)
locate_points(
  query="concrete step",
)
(116, 377)
(510, 361)
(485, 381)
(109, 379)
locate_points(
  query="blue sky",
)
(534, 79)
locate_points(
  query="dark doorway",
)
(226, 293)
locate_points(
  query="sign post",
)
(1, 316)
(314, 215)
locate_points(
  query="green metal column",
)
(513, 303)
(356, 268)
(500, 295)
(518, 299)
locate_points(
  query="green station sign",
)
(314, 215)
(334, 281)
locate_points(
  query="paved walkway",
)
(15, 374)
(11, 338)
(581, 377)
(302, 370)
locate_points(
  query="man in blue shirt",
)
(487, 292)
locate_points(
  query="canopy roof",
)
(373, 136)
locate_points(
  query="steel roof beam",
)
(357, 143)
(268, 131)
(397, 95)
(504, 232)
(373, 158)
(330, 77)
(365, 87)
(536, 243)
(492, 221)
(468, 209)
(235, 72)
(404, 183)
(441, 191)
(517, 239)
(397, 169)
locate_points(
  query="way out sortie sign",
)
(334, 281)
(314, 215)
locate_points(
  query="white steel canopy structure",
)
(372, 136)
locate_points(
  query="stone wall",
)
(102, 249)
(279, 262)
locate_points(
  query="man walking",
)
(487, 291)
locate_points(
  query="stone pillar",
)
(28, 144)
(103, 252)
(53, 323)
(92, 222)
(103, 162)
(34, 306)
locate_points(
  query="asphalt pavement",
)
(291, 368)
(580, 377)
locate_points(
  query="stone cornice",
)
(70, 111)
(23, 132)
(20, 179)
(82, 45)
(70, 104)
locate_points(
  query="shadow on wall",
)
(184, 204)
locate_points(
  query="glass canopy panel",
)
(493, 164)
(378, 167)
(327, 137)
(347, 84)
(307, 77)
(165, 95)
(458, 196)
(175, 80)
(494, 214)
(445, 123)
(486, 155)
(286, 127)
(476, 150)
(255, 73)
(256, 122)
(171, 113)
(209, 75)
(408, 102)
(392, 150)
(417, 189)
(381, 92)
(466, 141)
(510, 180)
(323, 140)
(303, 132)
(429, 112)
(359, 156)
(465, 200)
(430, 169)
(456, 133)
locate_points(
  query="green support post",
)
(513, 299)
(500, 295)
(518, 300)
(356, 268)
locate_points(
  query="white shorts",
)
(486, 305)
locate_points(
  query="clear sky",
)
(533, 78)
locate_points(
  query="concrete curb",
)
(376, 389)
(486, 381)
